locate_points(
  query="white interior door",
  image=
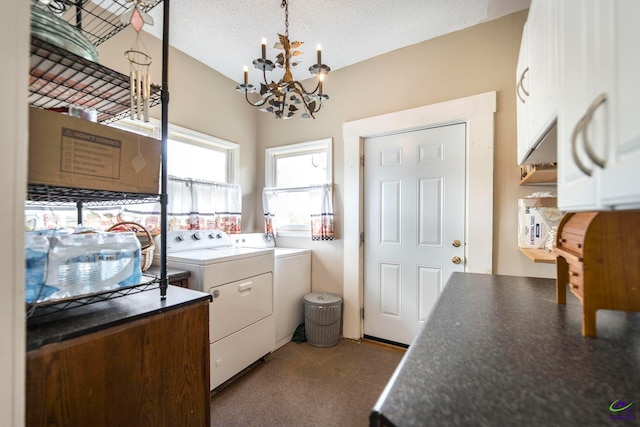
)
(414, 216)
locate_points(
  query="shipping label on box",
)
(71, 152)
(536, 218)
(88, 154)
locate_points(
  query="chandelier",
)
(286, 97)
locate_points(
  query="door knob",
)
(456, 260)
(456, 243)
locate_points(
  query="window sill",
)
(294, 233)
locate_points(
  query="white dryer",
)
(241, 315)
(291, 282)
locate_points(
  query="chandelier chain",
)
(285, 4)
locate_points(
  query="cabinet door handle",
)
(526, 70)
(587, 119)
(574, 151)
(518, 91)
(521, 86)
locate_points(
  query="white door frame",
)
(477, 112)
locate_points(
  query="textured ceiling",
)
(226, 34)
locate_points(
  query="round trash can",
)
(322, 315)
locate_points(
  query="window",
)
(203, 174)
(192, 154)
(291, 171)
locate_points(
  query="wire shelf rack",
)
(98, 20)
(58, 78)
(48, 194)
(46, 308)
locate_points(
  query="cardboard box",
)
(70, 152)
(536, 217)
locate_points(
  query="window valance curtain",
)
(320, 208)
(192, 205)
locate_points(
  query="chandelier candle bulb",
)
(264, 48)
(245, 69)
(319, 51)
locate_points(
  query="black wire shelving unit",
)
(99, 20)
(59, 78)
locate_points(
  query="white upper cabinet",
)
(598, 110)
(522, 98)
(536, 84)
(621, 175)
(584, 58)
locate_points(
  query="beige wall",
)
(472, 61)
(200, 99)
(468, 62)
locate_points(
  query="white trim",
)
(477, 112)
(14, 30)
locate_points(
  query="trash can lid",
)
(322, 298)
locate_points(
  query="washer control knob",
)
(211, 235)
(218, 235)
(197, 235)
(180, 237)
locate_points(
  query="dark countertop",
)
(499, 350)
(172, 274)
(66, 324)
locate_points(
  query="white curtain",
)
(178, 198)
(217, 206)
(269, 202)
(194, 205)
(320, 209)
(321, 199)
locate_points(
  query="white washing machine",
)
(292, 281)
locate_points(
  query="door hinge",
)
(362, 238)
(362, 160)
(362, 313)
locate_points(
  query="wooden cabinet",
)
(152, 371)
(597, 257)
(536, 84)
(539, 175)
(598, 129)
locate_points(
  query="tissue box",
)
(536, 217)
